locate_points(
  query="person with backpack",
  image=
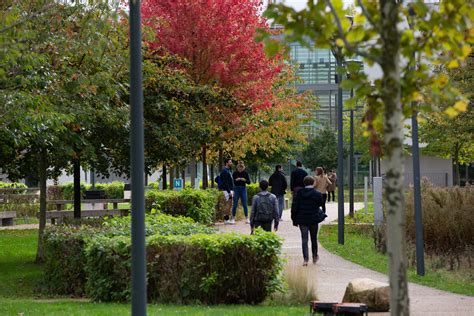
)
(264, 209)
(241, 179)
(306, 214)
(278, 183)
(225, 183)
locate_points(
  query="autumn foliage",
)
(217, 38)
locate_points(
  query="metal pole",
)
(351, 161)
(139, 292)
(420, 260)
(340, 159)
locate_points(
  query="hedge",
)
(200, 205)
(211, 269)
(64, 269)
(16, 185)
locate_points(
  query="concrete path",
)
(332, 273)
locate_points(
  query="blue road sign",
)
(178, 184)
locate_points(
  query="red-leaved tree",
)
(217, 38)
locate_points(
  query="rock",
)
(376, 295)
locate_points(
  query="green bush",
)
(67, 190)
(64, 269)
(252, 189)
(448, 222)
(211, 269)
(199, 205)
(16, 185)
(113, 190)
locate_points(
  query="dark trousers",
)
(325, 196)
(329, 196)
(265, 226)
(313, 231)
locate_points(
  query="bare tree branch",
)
(348, 45)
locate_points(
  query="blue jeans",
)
(281, 204)
(240, 192)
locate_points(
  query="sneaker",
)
(305, 263)
(232, 221)
(226, 222)
(247, 221)
(315, 259)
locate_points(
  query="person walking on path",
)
(332, 187)
(321, 184)
(264, 209)
(241, 179)
(296, 178)
(226, 184)
(304, 214)
(278, 183)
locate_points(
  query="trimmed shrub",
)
(211, 269)
(15, 185)
(252, 189)
(200, 205)
(64, 269)
(112, 190)
(67, 190)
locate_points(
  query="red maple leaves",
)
(217, 38)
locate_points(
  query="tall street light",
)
(420, 260)
(139, 292)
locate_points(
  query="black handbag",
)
(321, 216)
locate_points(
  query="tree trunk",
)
(393, 129)
(205, 182)
(163, 175)
(42, 212)
(172, 173)
(220, 163)
(212, 176)
(183, 176)
(193, 173)
(77, 188)
(457, 173)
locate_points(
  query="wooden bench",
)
(102, 211)
(6, 218)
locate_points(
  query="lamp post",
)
(137, 164)
(420, 260)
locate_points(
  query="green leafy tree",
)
(321, 150)
(453, 138)
(439, 34)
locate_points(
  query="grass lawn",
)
(359, 248)
(20, 277)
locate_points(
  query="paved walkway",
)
(332, 273)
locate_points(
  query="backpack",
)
(218, 181)
(264, 208)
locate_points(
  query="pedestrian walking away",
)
(321, 184)
(225, 183)
(264, 209)
(332, 187)
(278, 183)
(296, 178)
(305, 214)
(241, 179)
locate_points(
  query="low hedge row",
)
(113, 190)
(211, 269)
(200, 205)
(16, 185)
(64, 247)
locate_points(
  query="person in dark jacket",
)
(296, 179)
(304, 213)
(241, 179)
(278, 183)
(264, 209)
(227, 186)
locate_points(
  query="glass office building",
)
(317, 70)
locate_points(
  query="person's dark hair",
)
(227, 160)
(308, 180)
(299, 163)
(277, 167)
(263, 185)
